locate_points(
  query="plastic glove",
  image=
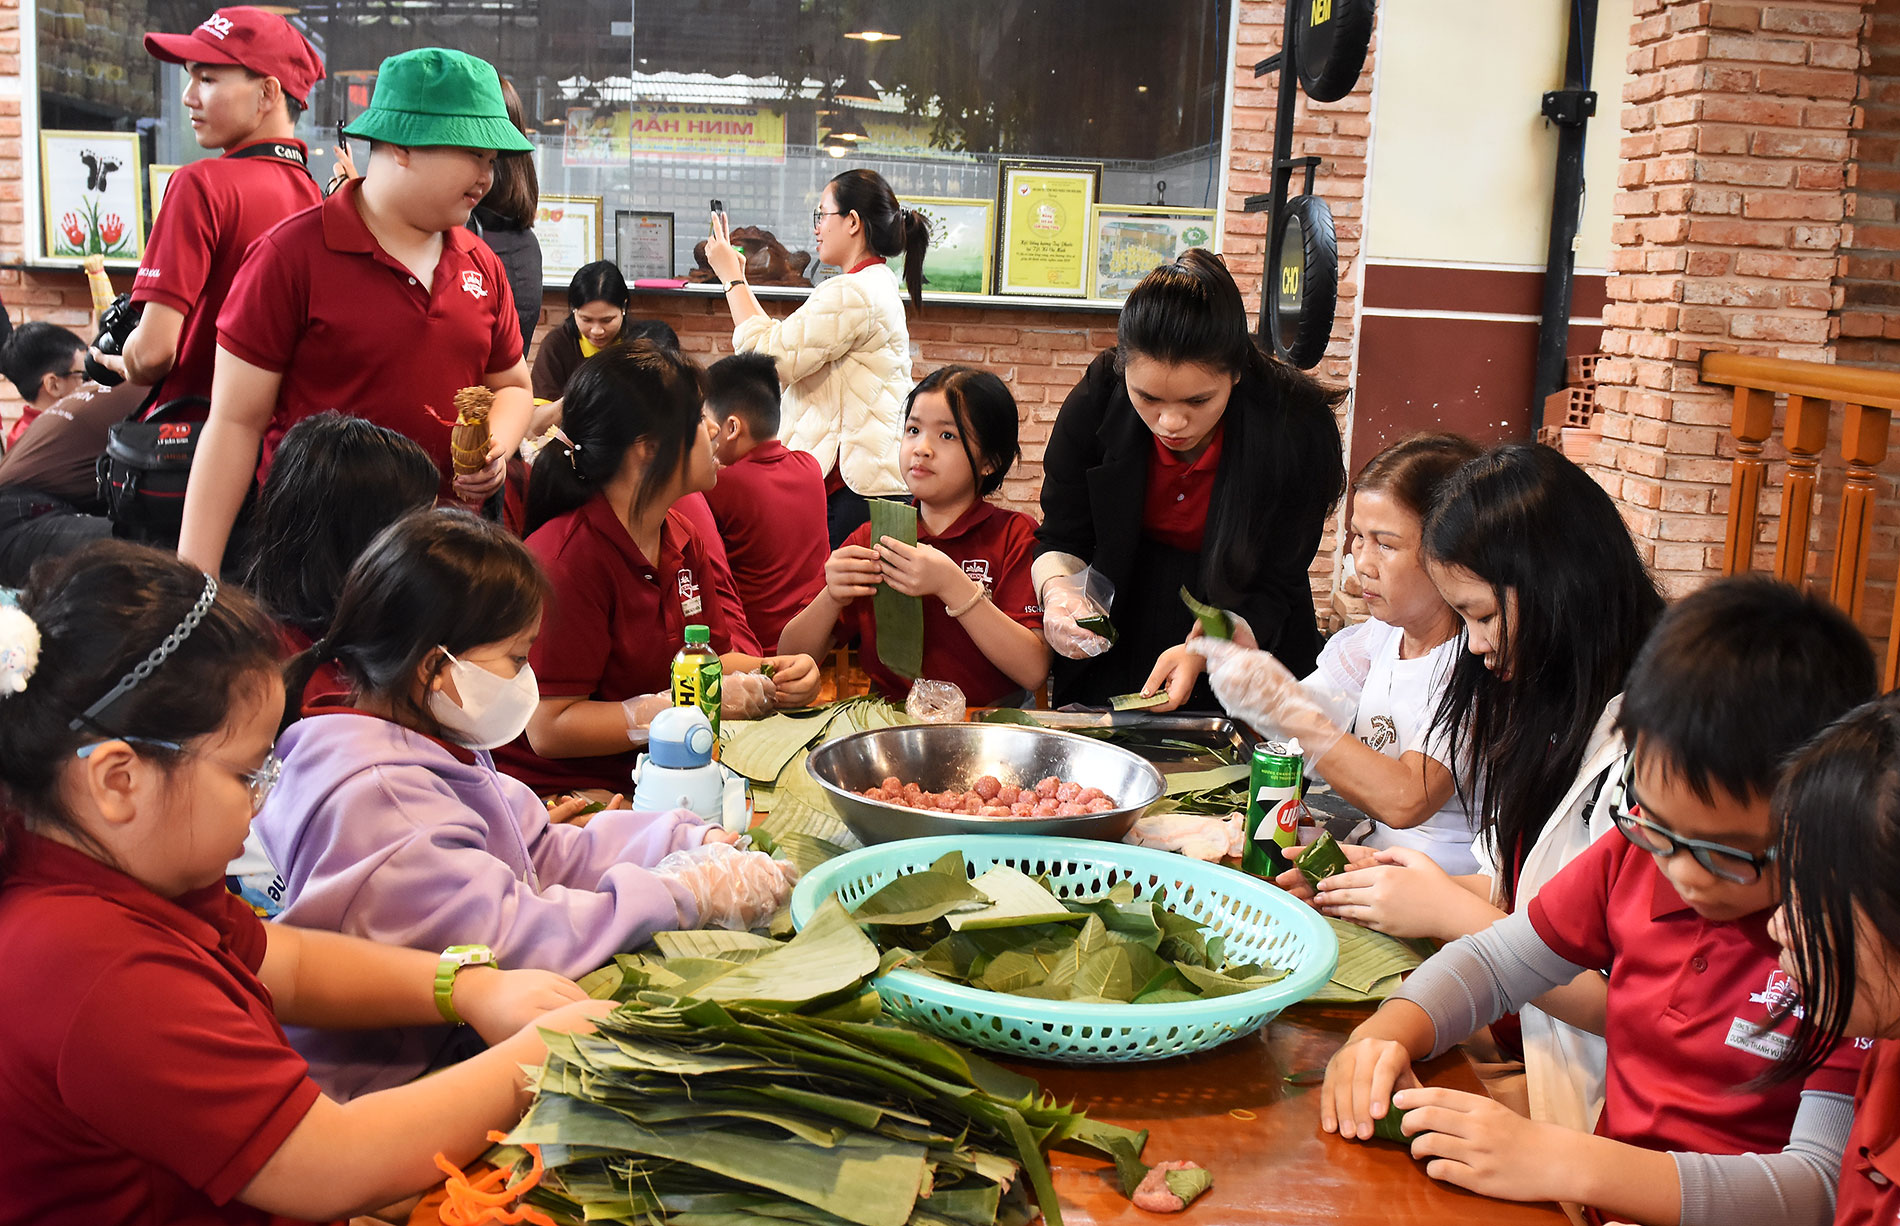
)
(734, 889)
(1064, 600)
(1256, 688)
(640, 711)
(745, 696)
(1203, 838)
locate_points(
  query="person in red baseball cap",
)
(248, 75)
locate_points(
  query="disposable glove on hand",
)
(1256, 688)
(640, 710)
(734, 889)
(1064, 602)
(746, 696)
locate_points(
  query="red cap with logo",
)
(249, 38)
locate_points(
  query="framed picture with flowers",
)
(90, 189)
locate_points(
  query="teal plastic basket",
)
(1261, 923)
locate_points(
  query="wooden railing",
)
(1869, 398)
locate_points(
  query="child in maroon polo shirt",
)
(376, 303)
(248, 74)
(769, 501)
(982, 627)
(628, 574)
(148, 1078)
(1839, 929)
(1675, 909)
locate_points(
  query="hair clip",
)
(573, 448)
(146, 667)
(19, 648)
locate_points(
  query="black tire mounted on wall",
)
(1304, 291)
(1330, 48)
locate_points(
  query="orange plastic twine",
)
(472, 1202)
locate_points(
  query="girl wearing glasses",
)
(1676, 909)
(843, 356)
(142, 1012)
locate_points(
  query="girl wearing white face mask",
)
(391, 822)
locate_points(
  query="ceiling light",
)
(837, 146)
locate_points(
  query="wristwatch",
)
(456, 958)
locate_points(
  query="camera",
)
(115, 325)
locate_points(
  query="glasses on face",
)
(76, 374)
(258, 782)
(818, 217)
(1729, 863)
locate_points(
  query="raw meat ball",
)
(1066, 792)
(994, 811)
(1009, 794)
(1101, 804)
(1048, 808)
(1087, 795)
(1022, 809)
(1046, 788)
(1154, 1195)
(892, 784)
(989, 787)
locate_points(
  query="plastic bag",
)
(936, 702)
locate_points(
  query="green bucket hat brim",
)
(416, 129)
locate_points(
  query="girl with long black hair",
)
(844, 355)
(1186, 457)
(628, 572)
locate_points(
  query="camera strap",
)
(277, 150)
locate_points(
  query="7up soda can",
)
(1274, 807)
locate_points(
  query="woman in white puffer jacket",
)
(844, 356)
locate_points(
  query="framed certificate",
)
(157, 177)
(1131, 241)
(90, 195)
(1043, 240)
(962, 236)
(568, 229)
(643, 243)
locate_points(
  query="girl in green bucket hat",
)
(434, 96)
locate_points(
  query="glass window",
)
(666, 104)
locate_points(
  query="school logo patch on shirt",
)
(979, 570)
(216, 26)
(472, 285)
(690, 603)
(1779, 1000)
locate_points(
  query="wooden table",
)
(1276, 1167)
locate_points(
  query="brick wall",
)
(1737, 135)
(1869, 315)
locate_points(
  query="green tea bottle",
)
(696, 675)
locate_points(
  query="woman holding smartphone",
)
(844, 356)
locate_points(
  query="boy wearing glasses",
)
(1674, 909)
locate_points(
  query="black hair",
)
(1281, 468)
(1695, 695)
(1838, 807)
(985, 414)
(889, 229)
(623, 395)
(35, 350)
(335, 483)
(1525, 520)
(600, 281)
(1414, 469)
(435, 578)
(745, 385)
(293, 109)
(515, 195)
(100, 612)
(656, 330)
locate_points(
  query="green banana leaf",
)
(899, 618)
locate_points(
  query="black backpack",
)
(143, 472)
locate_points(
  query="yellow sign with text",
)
(607, 136)
(1046, 236)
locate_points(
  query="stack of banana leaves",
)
(771, 752)
(746, 1080)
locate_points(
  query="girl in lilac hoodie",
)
(390, 821)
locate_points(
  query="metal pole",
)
(1570, 109)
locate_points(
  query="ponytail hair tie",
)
(320, 650)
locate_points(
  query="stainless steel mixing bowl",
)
(938, 757)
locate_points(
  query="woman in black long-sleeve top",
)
(1186, 456)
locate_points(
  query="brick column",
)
(1730, 205)
(1340, 134)
(1869, 323)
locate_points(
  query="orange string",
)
(473, 1202)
